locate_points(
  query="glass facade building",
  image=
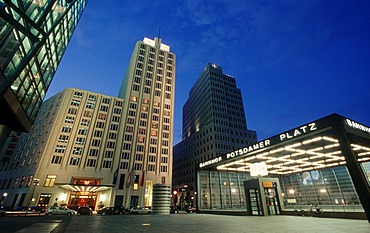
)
(33, 38)
(324, 164)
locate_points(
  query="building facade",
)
(213, 123)
(149, 90)
(33, 38)
(69, 155)
(88, 149)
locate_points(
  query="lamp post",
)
(36, 181)
(3, 198)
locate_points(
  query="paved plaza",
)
(184, 223)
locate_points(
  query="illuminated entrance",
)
(324, 163)
(262, 196)
(84, 192)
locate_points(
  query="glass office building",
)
(324, 163)
(33, 38)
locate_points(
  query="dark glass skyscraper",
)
(213, 124)
(33, 38)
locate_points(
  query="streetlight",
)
(36, 181)
(3, 198)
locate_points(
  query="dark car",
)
(111, 210)
(84, 210)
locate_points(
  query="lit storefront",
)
(323, 163)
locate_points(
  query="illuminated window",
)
(140, 139)
(153, 133)
(102, 116)
(50, 180)
(133, 98)
(87, 114)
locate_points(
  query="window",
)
(74, 161)
(92, 97)
(82, 131)
(106, 101)
(50, 180)
(123, 165)
(98, 133)
(110, 144)
(115, 119)
(85, 122)
(95, 142)
(108, 154)
(91, 163)
(90, 105)
(112, 135)
(77, 94)
(152, 149)
(75, 103)
(114, 127)
(102, 116)
(69, 119)
(66, 129)
(72, 111)
(151, 167)
(164, 159)
(100, 125)
(139, 157)
(60, 149)
(80, 141)
(125, 155)
(56, 159)
(63, 138)
(93, 152)
(138, 166)
(77, 151)
(119, 103)
(104, 108)
(107, 164)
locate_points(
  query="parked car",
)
(84, 210)
(2, 212)
(191, 209)
(59, 210)
(38, 208)
(140, 210)
(111, 210)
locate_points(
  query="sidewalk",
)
(214, 223)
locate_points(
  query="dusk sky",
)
(295, 61)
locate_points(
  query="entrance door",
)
(272, 204)
(255, 202)
(262, 196)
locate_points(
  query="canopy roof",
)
(316, 145)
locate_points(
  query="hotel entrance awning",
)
(84, 188)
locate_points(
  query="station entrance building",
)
(324, 163)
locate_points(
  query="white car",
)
(59, 210)
(140, 210)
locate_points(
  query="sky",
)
(294, 61)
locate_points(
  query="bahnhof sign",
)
(325, 163)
